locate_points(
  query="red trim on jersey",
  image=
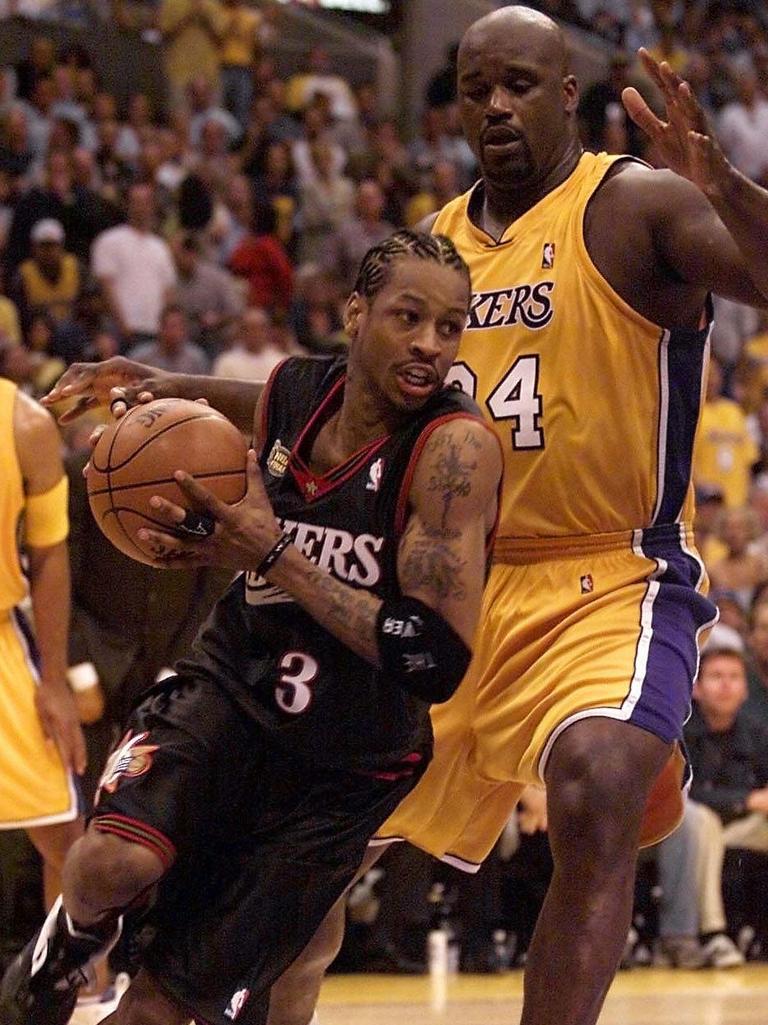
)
(138, 832)
(313, 485)
(401, 508)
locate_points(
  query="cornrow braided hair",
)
(376, 266)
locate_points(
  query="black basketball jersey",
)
(331, 706)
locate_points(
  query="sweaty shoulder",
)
(38, 445)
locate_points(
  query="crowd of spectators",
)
(221, 231)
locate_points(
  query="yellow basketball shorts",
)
(608, 625)
(35, 788)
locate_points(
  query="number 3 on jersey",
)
(294, 691)
(515, 397)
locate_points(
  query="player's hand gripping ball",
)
(136, 457)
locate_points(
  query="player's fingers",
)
(168, 511)
(640, 112)
(73, 380)
(118, 402)
(78, 756)
(200, 496)
(651, 67)
(96, 433)
(203, 402)
(83, 404)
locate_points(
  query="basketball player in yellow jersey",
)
(41, 744)
(585, 344)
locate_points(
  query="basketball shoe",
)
(40, 987)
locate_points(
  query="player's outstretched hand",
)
(685, 141)
(214, 533)
(91, 384)
(58, 716)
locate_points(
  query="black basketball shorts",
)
(259, 846)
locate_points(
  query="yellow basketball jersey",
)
(596, 407)
(12, 585)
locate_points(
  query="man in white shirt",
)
(135, 268)
(255, 354)
(742, 127)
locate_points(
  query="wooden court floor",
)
(639, 997)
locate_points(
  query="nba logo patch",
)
(277, 460)
(374, 475)
(587, 584)
(237, 1003)
(548, 256)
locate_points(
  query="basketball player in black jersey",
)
(239, 804)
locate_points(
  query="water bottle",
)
(502, 951)
(442, 941)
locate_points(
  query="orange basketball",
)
(136, 457)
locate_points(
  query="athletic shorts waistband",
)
(514, 551)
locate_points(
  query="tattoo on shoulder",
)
(452, 473)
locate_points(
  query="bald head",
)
(518, 101)
(541, 37)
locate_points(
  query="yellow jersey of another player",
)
(596, 407)
(12, 583)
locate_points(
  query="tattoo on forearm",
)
(349, 613)
(433, 566)
(452, 476)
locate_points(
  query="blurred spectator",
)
(133, 132)
(239, 49)
(742, 127)
(261, 259)
(327, 200)
(441, 90)
(46, 368)
(729, 757)
(191, 31)
(17, 150)
(757, 647)
(234, 218)
(357, 234)
(38, 63)
(744, 567)
(435, 145)
(315, 125)
(254, 354)
(208, 295)
(135, 268)
(277, 185)
(731, 609)
(601, 106)
(709, 505)
(733, 324)
(92, 332)
(49, 281)
(173, 351)
(724, 451)
(203, 107)
(442, 188)
(10, 324)
(318, 78)
(80, 210)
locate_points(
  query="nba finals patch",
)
(548, 256)
(587, 584)
(277, 460)
(132, 758)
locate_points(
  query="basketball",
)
(136, 457)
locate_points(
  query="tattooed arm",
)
(441, 558)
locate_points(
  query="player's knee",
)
(106, 871)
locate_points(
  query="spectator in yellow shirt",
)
(725, 450)
(240, 47)
(192, 31)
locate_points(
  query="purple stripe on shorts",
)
(673, 614)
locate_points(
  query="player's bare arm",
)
(440, 559)
(709, 222)
(87, 385)
(39, 452)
